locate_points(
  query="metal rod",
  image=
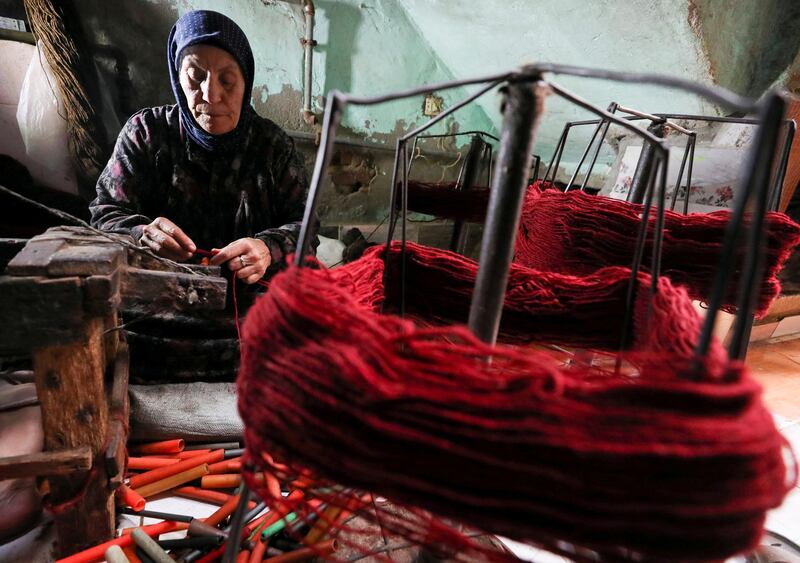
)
(689, 178)
(237, 523)
(426, 89)
(308, 48)
(404, 233)
(641, 178)
(585, 153)
(593, 161)
(534, 71)
(557, 154)
(155, 514)
(751, 279)
(652, 117)
(393, 203)
(333, 116)
(522, 108)
(577, 100)
(658, 235)
(215, 446)
(680, 175)
(638, 254)
(710, 118)
(459, 134)
(756, 169)
(468, 178)
(777, 190)
(688, 117)
(255, 511)
(393, 211)
(710, 92)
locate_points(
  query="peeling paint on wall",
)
(748, 43)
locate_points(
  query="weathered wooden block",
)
(37, 311)
(148, 290)
(34, 259)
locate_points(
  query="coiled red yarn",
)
(585, 312)
(670, 461)
(576, 233)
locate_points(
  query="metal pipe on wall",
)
(308, 48)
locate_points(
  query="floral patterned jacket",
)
(157, 171)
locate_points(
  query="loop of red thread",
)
(263, 283)
(667, 461)
(577, 233)
(75, 500)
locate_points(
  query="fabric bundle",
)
(668, 459)
(576, 233)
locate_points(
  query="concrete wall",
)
(376, 46)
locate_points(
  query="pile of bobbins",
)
(209, 473)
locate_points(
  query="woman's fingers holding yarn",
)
(249, 258)
(166, 239)
(249, 274)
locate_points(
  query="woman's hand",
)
(166, 239)
(248, 259)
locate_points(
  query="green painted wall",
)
(748, 42)
(364, 47)
(376, 46)
(372, 47)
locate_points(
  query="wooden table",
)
(60, 299)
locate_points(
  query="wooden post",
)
(71, 386)
(60, 297)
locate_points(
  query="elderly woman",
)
(207, 172)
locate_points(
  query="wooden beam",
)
(71, 387)
(63, 462)
(38, 311)
(119, 409)
(153, 291)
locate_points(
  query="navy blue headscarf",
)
(211, 28)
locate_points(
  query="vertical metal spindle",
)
(599, 146)
(753, 268)
(647, 160)
(574, 176)
(680, 175)
(522, 108)
(754, 180)
(555, 161)
(693, 141)
(237, 522)
(333, 115)
(780, 174)
(468, 177)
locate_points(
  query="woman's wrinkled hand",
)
(248, 259)
(166, 239)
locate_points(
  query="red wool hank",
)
(546, 307)
(576, 233)
(668, 460)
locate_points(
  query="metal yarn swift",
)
(669, 459)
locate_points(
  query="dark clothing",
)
(157, 171)
(211, 28)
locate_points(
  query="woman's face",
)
(214, 87)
